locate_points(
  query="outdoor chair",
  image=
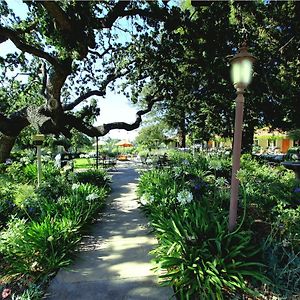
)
(109, 163)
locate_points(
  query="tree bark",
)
(248, 138)
(182, 131)
(6, 144)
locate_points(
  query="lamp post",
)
(38, 141)
(241, 74)
(97, 152)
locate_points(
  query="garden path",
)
(113, 261)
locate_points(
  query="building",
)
(274, 141)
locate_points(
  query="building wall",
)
(278, 143)
(263, 143)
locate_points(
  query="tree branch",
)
(58, 14)
(113, 15)
(102, 130)
(100, 55)
(12, 126)
(83, 97)
(20, 44)
(101, 92)
(44, 79)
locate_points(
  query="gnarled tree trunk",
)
(6, 144)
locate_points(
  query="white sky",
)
(115, 107)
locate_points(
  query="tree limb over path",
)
(102, 130)
(73, 31)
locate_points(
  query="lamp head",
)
(38, 139)
(241, 67)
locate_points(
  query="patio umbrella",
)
(124, 143)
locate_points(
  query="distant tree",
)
(295, 135)
(151, 136)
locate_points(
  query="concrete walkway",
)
(113, 261)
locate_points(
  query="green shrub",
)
(54, 187)
(24, 193)
(26, 172)
(33, 292)
(98, 178)
(265, 188)
(198, 256)
(44, 236)
(7, 206)
(38, 248)
(282, 253)
(44, 245)
(160, 184)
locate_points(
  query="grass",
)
(83, 163)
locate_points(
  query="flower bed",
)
(40, 228)
(188, 205)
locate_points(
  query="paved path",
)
(113, 262)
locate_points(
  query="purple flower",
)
(297, 190)
(31, 209)
(197, 186)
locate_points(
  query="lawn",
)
(83, 163)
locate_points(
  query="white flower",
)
(50, 238)
(75, 186)
(92, 197)
(144, 200)
(221, 181)
(285, 243)
(184, 197)
(151, 199)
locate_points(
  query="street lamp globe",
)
(241, 67)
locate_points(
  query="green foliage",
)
(266, 187)
(160, 185)
(80, 141)
(98, 178)
(198, 256)
(24, 193)
(38, 248)
(294, 134)
(40, 233)
(150, 137)
(7, 206)
(282, 252)
(195, 248)
(34, 292)
(24, 171)
(54, 187)
(45, 244)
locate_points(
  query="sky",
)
(114, 107)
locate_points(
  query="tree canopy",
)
(69, 52)
(196, 57)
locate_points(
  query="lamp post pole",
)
(38, 141)
(97, 153)
(241, 73)
(236, 155)
(39, 164)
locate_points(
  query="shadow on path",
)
(113, 261)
